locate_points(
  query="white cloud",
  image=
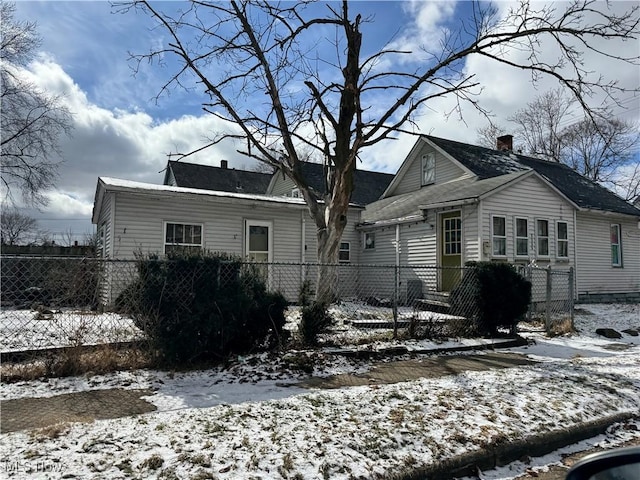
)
(117, 143)
(505, 90)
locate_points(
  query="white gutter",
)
(452, 203)
(364, 226)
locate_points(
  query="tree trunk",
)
(331, 220)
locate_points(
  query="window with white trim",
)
(369, 240)
(428, 168)
(344, 254)
(542, 237)
(522, 237)
(182, 236)
(295, 193)
(616, 246)
(562, 240)
(499, 236)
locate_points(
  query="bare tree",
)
(540, 124)
(31, 120)
(17, 227)
(600, 147)
(288, 76)
(604, 150)
(487, 135)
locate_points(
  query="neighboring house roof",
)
(488, 163)
(118, 185)
(410, 205)
(207, 177)
(367, 186)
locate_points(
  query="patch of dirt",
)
(30, 413)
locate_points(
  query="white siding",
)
(594, 273)
(139, 224)
(446, 171)
(470, 247)
(384, 252)
(529, 198)
(418, 243)
(282, 185)
(105, 222)
(349, 235)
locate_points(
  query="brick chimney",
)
(224, 164)
(505, 143)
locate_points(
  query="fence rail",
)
(50, 302)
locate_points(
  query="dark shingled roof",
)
(192, 175)
(488, 163)
(367, 186)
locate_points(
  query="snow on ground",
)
(29, 329)
(242, 422)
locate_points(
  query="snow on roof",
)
(120, 184)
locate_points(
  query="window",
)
(369, 241)
(452, 236)
(102, 250)
(428, 168)
(542, 235)
(295, 193)
(499, 236)
(344, 254)
(522, 237)
(180, 236)
(616, 246)
(562, 240)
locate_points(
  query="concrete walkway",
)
(86, 406)
(428, 367)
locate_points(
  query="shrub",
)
(315, 320)
(196, 306)
(493, 294)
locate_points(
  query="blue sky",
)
(122, 131)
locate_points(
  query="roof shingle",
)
(487, 163)
(192, 175)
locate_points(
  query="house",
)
(222, 178)
(449, 203)
(135, 217)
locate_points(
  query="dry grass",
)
(50, 432)
(76, 361)
(561, 327)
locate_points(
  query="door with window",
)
(450, 250)
(258, 241)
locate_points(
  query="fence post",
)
(571, 293)
(395, 300)
(548, 301)
(525, 271)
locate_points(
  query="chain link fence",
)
(53, 303)
(552, 297)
